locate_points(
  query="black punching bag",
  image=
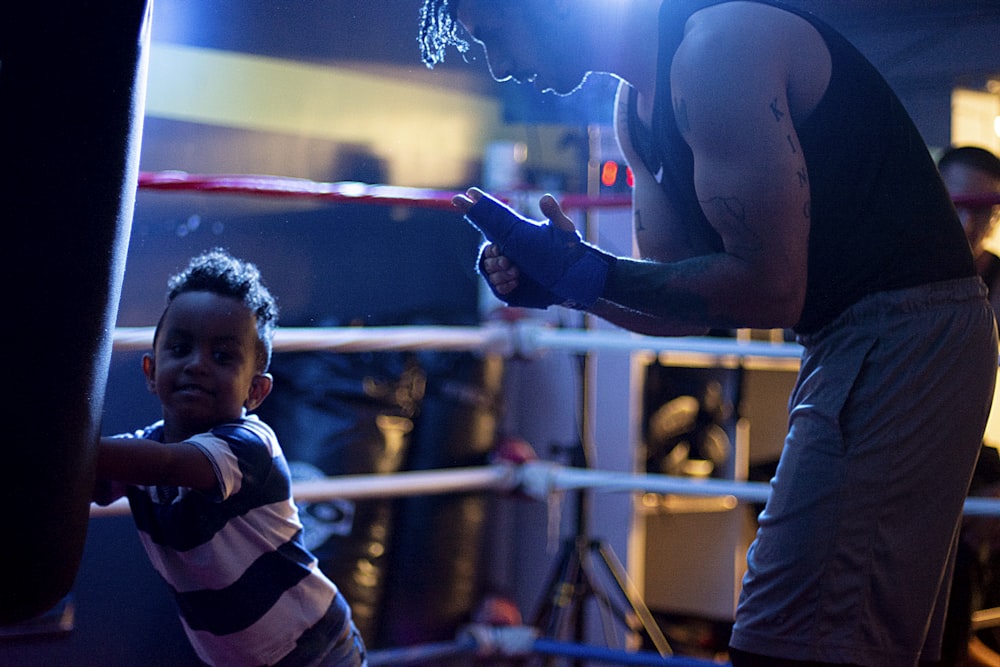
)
(436, 565)
(346, 414)
(72, 86)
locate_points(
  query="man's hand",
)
(502, 275)
(535, 264)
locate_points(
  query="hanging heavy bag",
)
(71, 101)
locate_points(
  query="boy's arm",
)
(150, 463)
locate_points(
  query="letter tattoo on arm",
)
(778, 116)
(802, 174)
(732, 212)
(681, 115)
(731, 206)
(778, 113)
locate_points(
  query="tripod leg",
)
(609, 609)
(559, 591)
(631, 594)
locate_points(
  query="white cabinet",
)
(689, 553)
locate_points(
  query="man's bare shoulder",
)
(748, 19)
(738, 44)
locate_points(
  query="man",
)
(778, 183)
(972, 174)
(973, 171)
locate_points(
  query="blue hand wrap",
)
(557, 261)
(529, 294)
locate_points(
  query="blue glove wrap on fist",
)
(558, 262)
(528, 294)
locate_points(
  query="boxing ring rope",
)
(348, 192)
(356, 339)
(519, 641)
(511, 339)
(977, 199)
(535, 479)
(522, 339)
(381, 195)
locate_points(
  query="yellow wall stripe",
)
(427, 135)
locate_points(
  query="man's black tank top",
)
(881, 219)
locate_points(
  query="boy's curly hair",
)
(439, 29)
(218, 272)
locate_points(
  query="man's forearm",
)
(714, 291)
(643, 323)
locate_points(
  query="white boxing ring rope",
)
(519, 338)
(355, 339)
(499, 477)
(534, 479)
(513, 339)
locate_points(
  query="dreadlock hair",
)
(438, 30)
(218, 272)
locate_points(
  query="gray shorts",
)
(852, 561)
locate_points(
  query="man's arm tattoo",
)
(681, 115)
(778, 113)
(638, 221)
(802, 173)
(731, 207)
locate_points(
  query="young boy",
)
(210, 489)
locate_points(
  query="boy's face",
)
(204, 365)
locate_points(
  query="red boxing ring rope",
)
(538, 479)
(976, 200)
(340, 192)
(503, 340)
(385, 195)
